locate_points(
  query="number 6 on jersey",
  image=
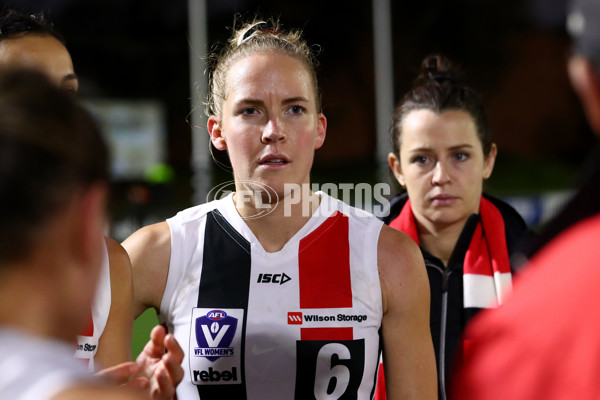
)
(328, 370)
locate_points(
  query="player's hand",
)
(160, 363)
(125, 374)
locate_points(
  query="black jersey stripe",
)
(225, 283)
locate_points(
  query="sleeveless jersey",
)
(300, 323)
(33, 368)
(87, 340)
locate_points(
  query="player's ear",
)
(490, 160)
(394, 162)
(216, 133)
(321, 130)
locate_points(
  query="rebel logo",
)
(294, 318)
(214, 334)
(216, 376)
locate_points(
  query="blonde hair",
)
(257, 37)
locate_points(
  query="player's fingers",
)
(121, 373)
(139, 383)
(163, 387)
(174, 348)
(155, 346)
(173, 367)
(158, 334)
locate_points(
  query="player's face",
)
(44, 53)
(442, 166)
(270, 125)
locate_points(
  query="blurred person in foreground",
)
(53, 188)
(543, 342)
(30, 41)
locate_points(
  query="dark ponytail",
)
(440, 87)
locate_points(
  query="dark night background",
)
(513, 51)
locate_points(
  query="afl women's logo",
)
(214, 334)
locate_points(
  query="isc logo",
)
(273, 278)
(294, 318)
(217, 315)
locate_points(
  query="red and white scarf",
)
(486, 269)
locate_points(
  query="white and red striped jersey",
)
(87, 340)
(303, 322)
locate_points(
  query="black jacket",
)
(448, 317)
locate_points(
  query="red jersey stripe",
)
(324, 265)
(326, 334)
(89, 328)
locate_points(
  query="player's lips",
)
(443, 200)
(273, 160)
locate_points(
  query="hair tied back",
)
(250, 32)
(438, 69)
(442, 77)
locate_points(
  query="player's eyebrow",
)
(69, 77)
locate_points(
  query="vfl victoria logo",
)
(214, 333)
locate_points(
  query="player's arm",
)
(149, 250)
(409, 360)
(92, 392)
(115, 343)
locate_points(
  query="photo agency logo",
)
(363, 196)
(261, 197)
(264, 199)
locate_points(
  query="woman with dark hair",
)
(29, 40)
(442, 154)
(53, 187)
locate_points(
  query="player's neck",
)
(440, 242)
(31, 306)
(274, 229)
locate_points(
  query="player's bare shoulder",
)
(397, 251)
(156, 237)
(149, 249)
(400, 263)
